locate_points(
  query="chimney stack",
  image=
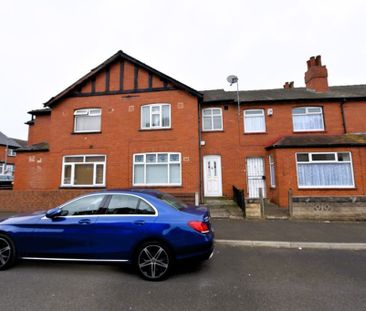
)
(289, 85)
(316, 78)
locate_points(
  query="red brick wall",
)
(39, 131)
(355, 113)
(3, 151)
(235, 146)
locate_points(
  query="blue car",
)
(149, 229)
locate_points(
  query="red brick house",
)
(126, 124)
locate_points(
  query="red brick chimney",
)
(316, 78)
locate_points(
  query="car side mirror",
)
(52, 213)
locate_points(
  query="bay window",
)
(325, 170)
(155, 116)
(307, 119)
(157, 169)
(83, 171)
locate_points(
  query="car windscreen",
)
(172, 201)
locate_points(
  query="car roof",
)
(155, 193)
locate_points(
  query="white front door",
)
(212, 176)
(256, 178)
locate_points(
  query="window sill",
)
(156, 186)
(328, 188)
(86, 133)
(82, 187)
(309, 132)
(156, 129)
(213, 131)
(255, 133)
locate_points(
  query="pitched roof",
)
(124, 56)
(21, 142)
(6, 141)
(36, 147)
(320, 141)
(300, 93)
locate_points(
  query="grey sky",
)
(47, 45)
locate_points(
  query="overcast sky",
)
(47, 45)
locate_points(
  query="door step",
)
(223, 208)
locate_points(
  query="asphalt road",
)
(237, 277)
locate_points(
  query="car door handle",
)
(139, 222)
(84, 222)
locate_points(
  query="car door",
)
(72, 235)
(128, 219)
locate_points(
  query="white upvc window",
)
(87, 120)
(11, 152)
(155, 116)
(83, 171)
(272, 171)
(212, 119)
(7, 169)
(325, 170)
(306, 119)
(157, 169)
(254, 121)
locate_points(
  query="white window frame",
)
(324, 162)
(272, 171)
(307, 113)
(4, 169)
(72, 164)
(151, 127)
(262, 114)
(92, 112)
(211, 115)
(154, 163)
(11, 152)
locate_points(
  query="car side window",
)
(84, 206)
(144, 208)
(122, 205)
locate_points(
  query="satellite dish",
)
(232, 79)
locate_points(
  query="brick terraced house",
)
(125, 125)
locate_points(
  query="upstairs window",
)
(11, 153)
(87, 120)
(84, 171)
(156, 116)
(324, 170)
(307, 119)
(212, 119)
(254, 121)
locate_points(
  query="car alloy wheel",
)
(153, 261)
(6, 252)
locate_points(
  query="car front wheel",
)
(7, 252)
(154, 261)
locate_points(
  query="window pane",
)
(327, 174)
(254, 124)
(145, 117)
(344, 156)
(207, 123)
(145, 209)
(83, 174)
(87, 123)
(216, 123)
(207, 112)
(308, 122)
(74, 159)
(84, 206)
(95, 112)
(99, 174)
(216, 111)
(162, 157)
(95, 159)
(138, 174)
(139, 158)
(254, 112)
(302, 157)
(174, 157)
(323, 157)
(315, 109)
(155, 108)
(166, 120)
(156, 120)
(175, 174)
(156, 174)
(151, 158)
(299, 110)
(122, 205)
(67, 174)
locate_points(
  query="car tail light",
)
(199, 226)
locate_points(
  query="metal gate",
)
(256, 177)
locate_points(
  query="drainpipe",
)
(200, 151)
(341, 104)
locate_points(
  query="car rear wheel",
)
(154, 261)
(7, 252)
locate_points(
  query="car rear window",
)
(172, 201)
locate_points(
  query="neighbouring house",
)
(8, 148)
(125, 125)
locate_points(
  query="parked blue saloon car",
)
(149, 229)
